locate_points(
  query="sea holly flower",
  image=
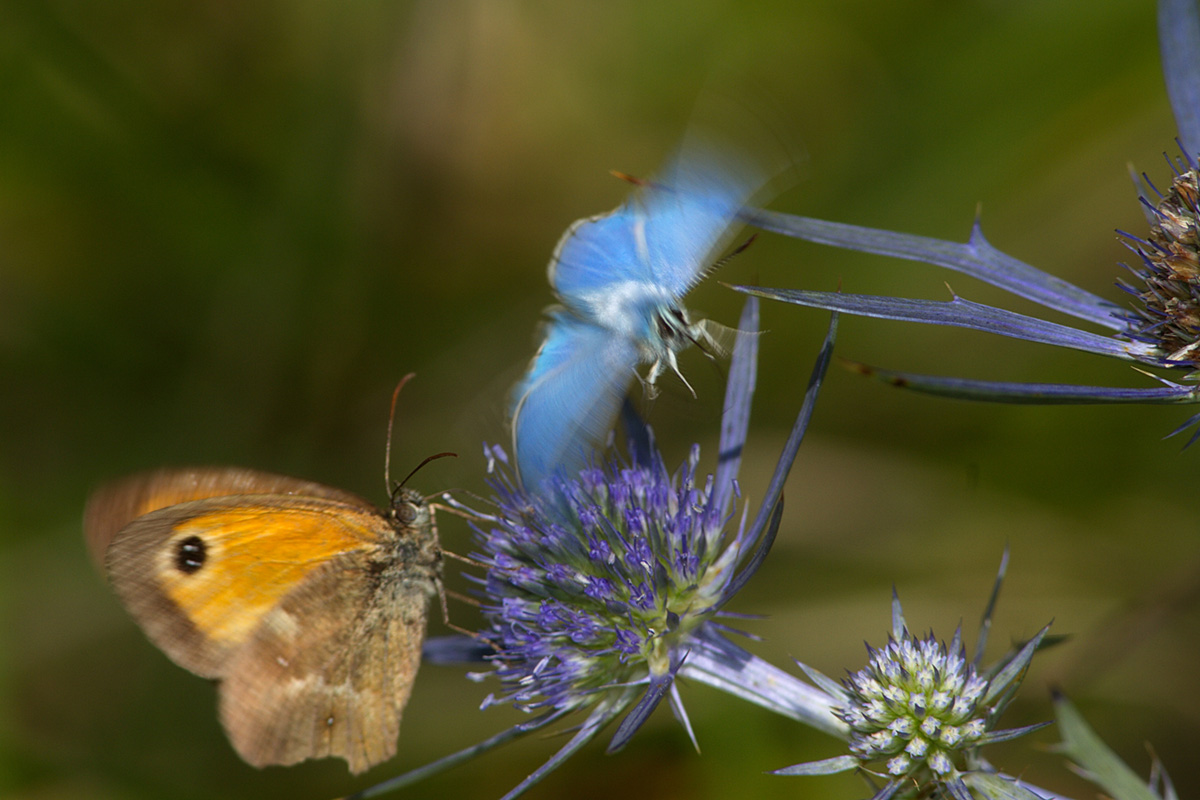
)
(1160, 329)
(920, 711)
(604, 587)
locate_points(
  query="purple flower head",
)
(603, 586)
(648, 563)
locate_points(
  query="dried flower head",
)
(1168, 311)
(1160, 332)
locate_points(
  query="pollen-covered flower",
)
(919, 712)
(916, 704)
(1161, 329)
(602, 587)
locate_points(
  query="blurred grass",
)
(227, 230)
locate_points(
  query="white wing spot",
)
(639, 238)
(284, 624)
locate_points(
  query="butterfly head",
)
(408, 508)
(673, 330)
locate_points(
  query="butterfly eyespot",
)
(190, 555)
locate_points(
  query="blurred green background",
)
(227, 229)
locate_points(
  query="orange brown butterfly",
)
(306, 602)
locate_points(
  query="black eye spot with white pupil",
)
(190, 554)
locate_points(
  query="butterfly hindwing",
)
(570, 396)
(336, 685)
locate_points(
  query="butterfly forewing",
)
(691, 212)
(200, 576)
(569, 397)
(670, 230)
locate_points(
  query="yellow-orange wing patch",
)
(112, 507)
(200, 576)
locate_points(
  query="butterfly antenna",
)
(725, 259)
(625, 176)
(417, 468)
(387, 448)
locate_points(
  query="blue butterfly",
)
(620, 278)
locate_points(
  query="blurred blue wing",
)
(596, 252)
(621, 277)
(692, 216)
(566, 404)
(667, 233)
